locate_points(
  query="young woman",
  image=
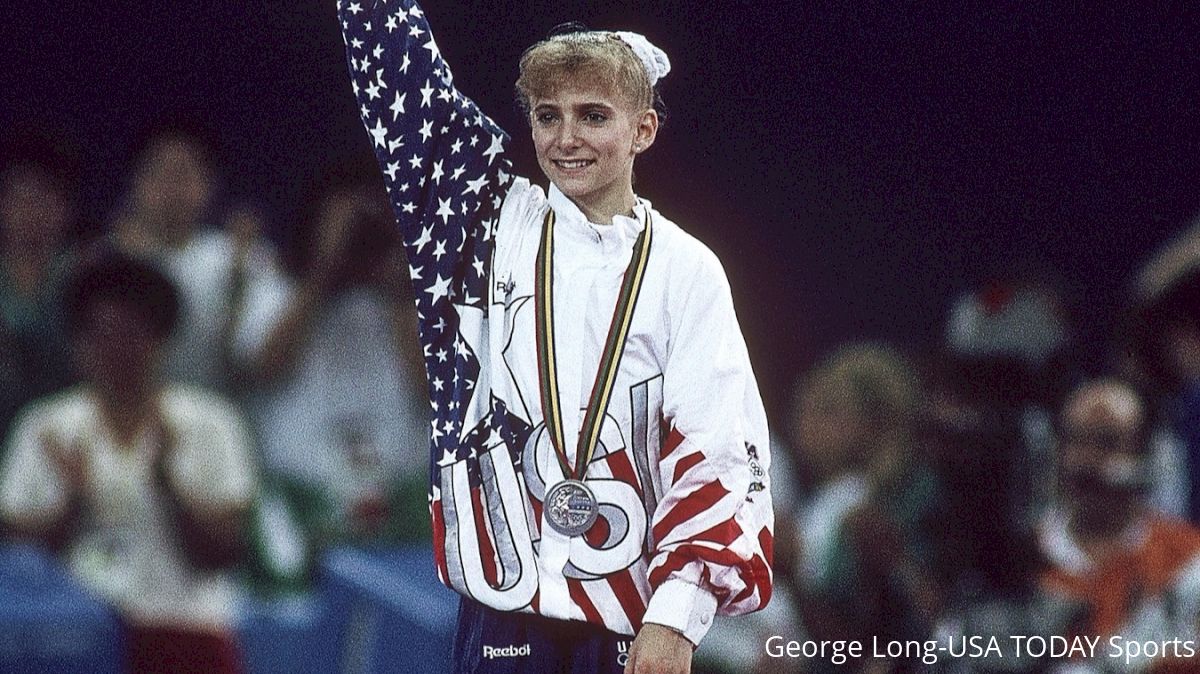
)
(599, 447)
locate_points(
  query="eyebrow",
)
(586, 105)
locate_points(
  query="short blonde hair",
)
(595, 57)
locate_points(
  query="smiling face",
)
(586, 139)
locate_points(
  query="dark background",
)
(853, 166)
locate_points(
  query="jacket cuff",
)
(685, 607)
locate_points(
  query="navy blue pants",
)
(497, 642)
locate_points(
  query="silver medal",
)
(571, 508)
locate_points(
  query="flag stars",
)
(437, 174)
(397, 106)
(439, 289)
(473, 186)
(424, 238)
(444, 210)
(426, 131)
(379, 133)
(494, 149)
(426, 95)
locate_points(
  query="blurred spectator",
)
(1134, 572)
(166, 218)
(340, 405)
(1164, 335)
(141, 481)
(855, 552)
(1010, 338)
(37, 209)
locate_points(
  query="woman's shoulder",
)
(688, 257)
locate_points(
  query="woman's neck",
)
(601, 211)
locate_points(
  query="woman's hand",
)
(659, 650)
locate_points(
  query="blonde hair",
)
(594, 57)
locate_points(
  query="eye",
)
(595, 117)
(545, 118)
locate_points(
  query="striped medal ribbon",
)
(570, 506)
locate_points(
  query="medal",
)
(570, 506)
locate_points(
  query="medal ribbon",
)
(610, 359)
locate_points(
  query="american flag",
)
(446, 174)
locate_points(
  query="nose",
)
(567, 136)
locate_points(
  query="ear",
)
(646, 131)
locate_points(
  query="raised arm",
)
(446, 176)
(442, 159)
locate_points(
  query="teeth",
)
(578, 163)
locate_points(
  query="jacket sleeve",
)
(446, 173)
(713, 527)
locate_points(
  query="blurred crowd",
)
(1003, 482)
(190, 407)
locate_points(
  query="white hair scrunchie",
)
(653, 59)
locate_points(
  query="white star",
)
(397, 106)
(448, 427)
(372, 91)
(444, 210)
(496, 148)
(380, 133)
(395, 144)
(456, 147)
(414, 273)
(391, 169)
(475, 185)
(415, 31)
(439, 250)
(377, 52)
(437, 171)
(478, 265)
(409, 207)
(415, 162)
(438, 384)
(493, 439)
(405, 63)
(379, 78)
(415, 12)
(458, 172)
(427, 130)
(444, 94)
(433, 49)
(441, 355)
(354, 8)
(424, 238)
(439, 289)
(437, 433)
(426, 95)
(447, 455)
(441, 324)
(474, 141)
(391, 24)
(356, 43)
